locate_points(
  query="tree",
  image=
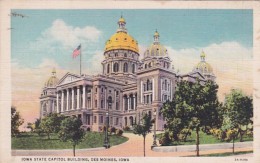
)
(16, 121)
(144, 127)
(30, 126)
(71, 131)
(239, 110)
(37, 127)
(51, 123)
(195, 106)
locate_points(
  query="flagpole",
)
(80, 60)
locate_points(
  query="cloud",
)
(63, 37)
(232, 64)
(27, 84)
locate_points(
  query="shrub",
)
(126, 128)
(165, 139)
(103, 129)
(119, 132)
(184, 133)
(112, 130)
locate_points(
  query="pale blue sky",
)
(179, 29)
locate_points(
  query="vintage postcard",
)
(133, 81)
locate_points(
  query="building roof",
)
(121, 39)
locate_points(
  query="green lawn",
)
(204, 139)
(91, 140)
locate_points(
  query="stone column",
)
(62, 100)
(72, 97)
(134, 100)
(84, 96)
(57, 102)
(123, 103)
(141, 92)
(105, 100)
(67, 99)
(153, 90)
(128, 98)
(78, 97)
(91, 97)
(53, 105)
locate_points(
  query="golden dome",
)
(203, 66)
(156, 50)
(121, 40)
(53, 80)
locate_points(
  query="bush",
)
(126, 128)
(184, 134)
(165, 139)
(103, 129)
(112, 130)
(119, 132)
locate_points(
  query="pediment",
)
(68, 78)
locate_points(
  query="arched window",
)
(125, 55)
(116, 67)
(116, 54)
(147, 84)
(108, 68)
(125, 67)
(163, 85)
(133, 68)
(150, 64)
(145, 66)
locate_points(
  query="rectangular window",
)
(102, 104)
(88, 102)
(117, 106)
(101, 119)
(95, 119)
(95, 103)
(117, 121)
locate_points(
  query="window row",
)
(148, 99)
(116, 68)
(102, 105)
(125, 55)
(102, 119)
(148, 85)
(166, 85)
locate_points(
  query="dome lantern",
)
(156, 37)
(121, 25)
(202, 56)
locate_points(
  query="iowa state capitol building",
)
(135, 86)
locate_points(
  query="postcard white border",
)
(5, 51)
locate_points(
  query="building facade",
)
(135, 85)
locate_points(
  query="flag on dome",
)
(76, 52)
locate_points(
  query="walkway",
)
(132, 148)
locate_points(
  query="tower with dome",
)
(135, 85)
